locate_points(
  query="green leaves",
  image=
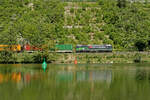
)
(126, 26)
(42, 22)
(33, 21)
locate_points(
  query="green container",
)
(64, 48)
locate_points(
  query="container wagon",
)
(16, 48)
(66, 48)
(30, 49)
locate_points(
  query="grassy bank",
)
(69, 58)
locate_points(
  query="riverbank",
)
(82, 58)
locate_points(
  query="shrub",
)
(72, 10)
(27, 58)
(99, 60)
(137, 58)
(99, 35)
(101, 2)
(79, 10)
(38, 57)
(140, 45)
(6, 56)
(52, 57)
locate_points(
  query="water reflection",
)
(60, 75)
(81, 76)
(75, 82)
(141, 75)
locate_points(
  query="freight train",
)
(19, 48)
(60, 48)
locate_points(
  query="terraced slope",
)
(85, 18)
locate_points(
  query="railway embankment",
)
(82, 58)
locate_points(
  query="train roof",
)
(95, 45)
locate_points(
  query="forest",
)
(43, 23)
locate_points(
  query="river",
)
(75, 82)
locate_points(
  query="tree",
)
(121, 3)
(140, 45)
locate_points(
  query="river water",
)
(75, 82)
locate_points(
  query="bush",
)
(99, 60)
(52, 57)
(149, 43)
(79, 10)
(140, 45)
(137, 58)
(101, 2)
(99, 35)
(37, 58)
(5, 56)
(27, 58)
(72, 10)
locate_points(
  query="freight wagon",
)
(19, 48)
(16, 48)
(66, 48)
(29, 48)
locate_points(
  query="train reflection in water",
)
(59, 76)
(81, 76)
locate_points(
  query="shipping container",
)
(16, 48)
(64, 48)
(10, 48)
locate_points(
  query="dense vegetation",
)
(128, 24)
(123, 24)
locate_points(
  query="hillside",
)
(125, 25)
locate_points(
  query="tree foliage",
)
(41, 22)
(127, 25)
